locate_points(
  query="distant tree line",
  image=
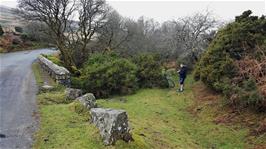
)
(82, 27)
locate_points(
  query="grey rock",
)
(47, 87)
(113, 124)
(72, 93)
(88, 100)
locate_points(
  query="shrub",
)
(77, 82)
(149, 71)
(54, 58)
(225, 66)
(16, 41)
(1, 31)
(107, 74)
(24, 37)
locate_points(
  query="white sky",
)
(172, 9)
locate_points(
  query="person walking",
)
(182, 76)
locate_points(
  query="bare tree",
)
(37, 31)
(185, 37)
(192, 32)
(115, 32)
(142, 36)
(56, 14)
(70, 36)
(92, 17)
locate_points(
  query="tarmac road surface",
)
(18, 110)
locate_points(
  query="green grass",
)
(54, 96)
(159, 118)
(42, 76)
(162, 116)
(54, 59)
(36, 68)
(62, 128)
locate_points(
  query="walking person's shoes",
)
(179, 90)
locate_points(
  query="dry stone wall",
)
(72, 93)
(112, 123)
(59, 74)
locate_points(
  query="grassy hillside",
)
(159, 118)
(13, 39)
(9, 17)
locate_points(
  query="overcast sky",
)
(172, 9)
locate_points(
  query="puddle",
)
(2, 135)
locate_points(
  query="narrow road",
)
(18, 120)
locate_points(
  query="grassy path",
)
(159, 119)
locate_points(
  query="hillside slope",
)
(9, 17)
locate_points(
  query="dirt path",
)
(17, 99)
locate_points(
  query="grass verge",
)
(42, 77)
(36, 68)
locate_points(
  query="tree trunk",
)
(67, 57)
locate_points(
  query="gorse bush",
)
(229, 64)
(149, 71)
(107, 74)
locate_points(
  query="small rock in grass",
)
(88, 100)
(47, 87)
(72, 93)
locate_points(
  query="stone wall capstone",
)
(72, 93)
(59, 74)
(112, 123)
(88, 100)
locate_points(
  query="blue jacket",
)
(183, 72)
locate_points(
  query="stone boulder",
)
(88, 100)
(72, 93)
(46, 88)
(113, 124)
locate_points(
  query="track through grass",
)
(159, 119)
